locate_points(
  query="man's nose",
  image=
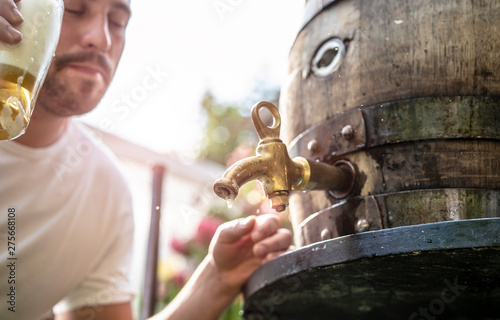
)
(96, 34)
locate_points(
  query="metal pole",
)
(149, 287)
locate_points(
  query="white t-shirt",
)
(66, 227)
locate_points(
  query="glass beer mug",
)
(24, 66)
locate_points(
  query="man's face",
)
(90, 46)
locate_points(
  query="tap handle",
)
(266, 132)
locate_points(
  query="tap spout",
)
(272, 167)
(277, 172)
(237, 175)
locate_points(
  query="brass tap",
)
(277, 172)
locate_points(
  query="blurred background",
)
(181, 100)
(178, 51)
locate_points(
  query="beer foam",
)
(40, 29)
(12, 127)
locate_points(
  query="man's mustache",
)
(101, 60)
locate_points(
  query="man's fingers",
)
(268, 237)
(280, 241)
(235, 230)
(9, 17)
(267, 225)
(272, 255)
(8, 34)
(10, 12)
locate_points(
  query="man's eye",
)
(73, 11)
(119, 24)
(118, 20)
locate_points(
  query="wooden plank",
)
(395, 50)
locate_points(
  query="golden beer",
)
(23, 67)
(16, 101)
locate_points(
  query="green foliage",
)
(226, 129)
(229, 136)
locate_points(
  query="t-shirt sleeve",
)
(109, 282)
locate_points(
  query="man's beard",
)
(61, 99)
(57, 98)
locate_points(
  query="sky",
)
(176, 51)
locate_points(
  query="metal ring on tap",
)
(346, 165)
(266, 132)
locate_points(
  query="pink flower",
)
(206, 230)
(179, 246)
(179, 279)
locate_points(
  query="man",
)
(73, 231)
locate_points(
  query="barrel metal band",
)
(399, 209)
(401, 121)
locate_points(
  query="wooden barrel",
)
(408, 92)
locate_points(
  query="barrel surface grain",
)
(424, 78)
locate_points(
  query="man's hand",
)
(237, 249)
(10, 17)
(241, 246)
